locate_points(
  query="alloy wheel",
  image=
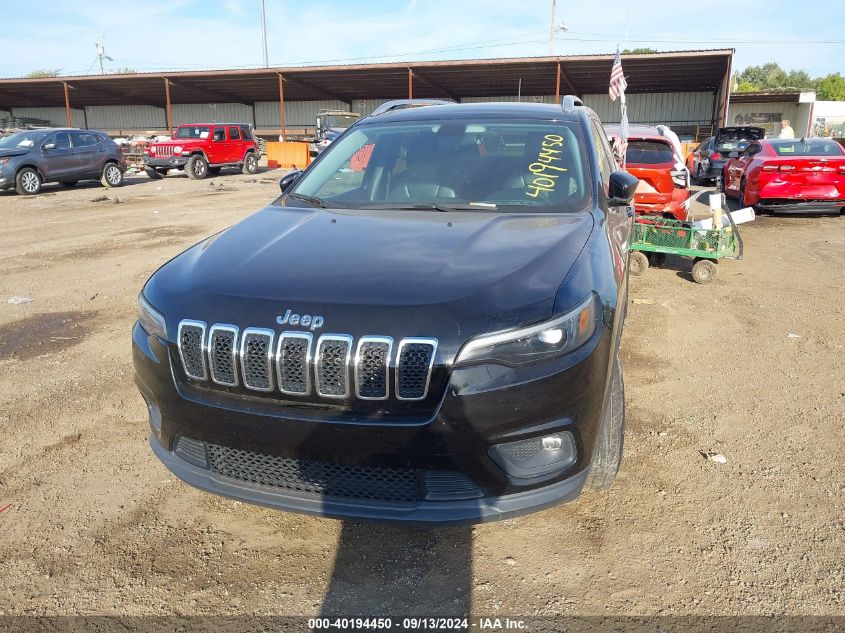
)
(113, 175)
(29, 182)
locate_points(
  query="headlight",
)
(177, 149)
(534, 343)
(151, 319)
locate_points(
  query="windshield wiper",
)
(319, 202)
(433, 206)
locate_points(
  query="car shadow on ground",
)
(51, 188)
(383, 570)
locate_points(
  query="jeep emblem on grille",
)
(305, 320)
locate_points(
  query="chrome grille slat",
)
(192, 348)
(256, 359)
(223, 354)
(332, 365)
(372, 367)
(414, 362)
(248, 358)
(293, 361)
(164, 151)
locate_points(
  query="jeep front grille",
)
(413, 369)
(223, 354)
(296, 366)
(333, 352)
(191, 341)
(163, 151)
(257, 359)
(372, 367)
(293, 358)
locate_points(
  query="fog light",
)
(536, 456)
(552, 443)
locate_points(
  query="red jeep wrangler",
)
(202, 149)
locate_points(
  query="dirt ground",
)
(750, 366)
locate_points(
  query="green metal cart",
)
(664, 236)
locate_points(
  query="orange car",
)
(664, 179)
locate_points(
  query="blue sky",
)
(194, 34)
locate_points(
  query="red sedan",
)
(664, 180)
(788, 175)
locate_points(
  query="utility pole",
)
(555, 28)
(264, 34)
(101, 54)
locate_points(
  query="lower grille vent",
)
(299, 475)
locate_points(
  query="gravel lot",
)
(750, 366)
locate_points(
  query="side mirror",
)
(48, 146)
(733, 154)
(621, 189)
(288, 179)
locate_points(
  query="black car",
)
(423, 327)
(710, 156)
(31, 158)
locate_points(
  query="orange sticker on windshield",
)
(545, 171)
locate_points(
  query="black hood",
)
(395, 273)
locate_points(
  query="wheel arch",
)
(31, 166)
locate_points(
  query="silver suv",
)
(31, 158)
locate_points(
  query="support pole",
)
(282, 106)
(726, 95)
(67, 104)
(557, 84)
(410, 84)
(167, 105)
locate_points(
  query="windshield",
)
(459, 163)
(192, 131)
(649, 153)
(22, 140)
(808, 147)
(341, 121)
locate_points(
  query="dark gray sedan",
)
(31, 158)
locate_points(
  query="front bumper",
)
(172, 162)
(477, 510)
(481, 408)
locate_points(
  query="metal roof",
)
(765, 97)
(677, 71)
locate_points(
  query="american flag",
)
(617, 78)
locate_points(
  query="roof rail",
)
(569, 103)
(399, 104)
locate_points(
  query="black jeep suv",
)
(423, 327)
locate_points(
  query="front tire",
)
(250, 164)
(28, 182)
(197, 167)
(611, 434)
(112, 175)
